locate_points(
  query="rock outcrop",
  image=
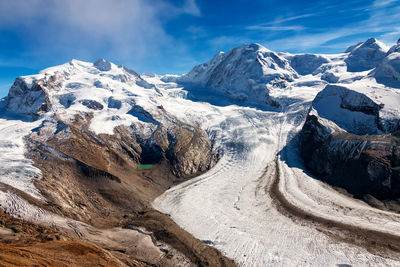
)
(105, 154)
(362, 164)
(347, 143)
(58, 90)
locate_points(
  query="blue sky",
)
(171, 36)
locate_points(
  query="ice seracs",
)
(231, 206)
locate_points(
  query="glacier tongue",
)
(231, 206)
(16, 170)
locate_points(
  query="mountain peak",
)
(370, 40)
(365, 56)
(257, 46)
(253, 47)
(102, 64)
(244, 72)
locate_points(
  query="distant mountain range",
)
(73, 139)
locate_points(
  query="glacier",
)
(253, 103)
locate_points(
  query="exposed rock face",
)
(348, 142)
(360, 164)
(188, 150)
(100, 122)
(184, 147)
(351, 110)
(100, 171)
(30, 96)
(94, 179)
(29, 99)
(92, 104)
(351, 139)
(365, 56)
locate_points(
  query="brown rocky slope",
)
(96, 179)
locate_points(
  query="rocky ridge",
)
(92, 172)
(350, 137)
(99, 124)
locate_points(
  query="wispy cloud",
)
(382, 3)
(190, 7)
(276, 28)
(304, 42)
(280, 20)
(298, 32)
(380, 22)
(231, 41)
(125, 29)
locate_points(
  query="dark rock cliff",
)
(361, 164)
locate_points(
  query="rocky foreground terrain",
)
(226, 165)
(94, 176)
(357, 147)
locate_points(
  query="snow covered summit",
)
(76, 87)
(245, 72)
(102, 121)
(366, 55)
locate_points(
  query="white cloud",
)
(380, 19)
(228, 41)
(383, 3)
(381, 22)
(276, 28)
(125, 29)
(280, 20)
(304, 42)
(190, 7)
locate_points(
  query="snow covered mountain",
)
(244, 73)
(387, 72)
(307, 63)
(98, 151)
(366, 55)
(350, 137)
(103, 146)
